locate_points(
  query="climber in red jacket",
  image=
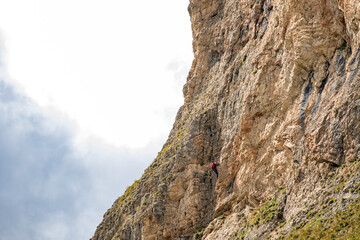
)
(213, 166)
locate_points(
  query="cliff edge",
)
(273, 95)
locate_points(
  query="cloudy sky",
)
(89, 91)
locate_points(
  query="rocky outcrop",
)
(273, 94)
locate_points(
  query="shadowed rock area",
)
(273, 95)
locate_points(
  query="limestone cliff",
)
(273, 94)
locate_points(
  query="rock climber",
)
(213, 166)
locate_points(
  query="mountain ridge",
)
(273, 94)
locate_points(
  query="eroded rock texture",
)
(273, 94)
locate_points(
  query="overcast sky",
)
(89, 91)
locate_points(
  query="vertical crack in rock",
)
(306, 95)
(320, 90)
(215, 57)
(354, 65)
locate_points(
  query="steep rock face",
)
(273, 94)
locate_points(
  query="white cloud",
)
(55, 228)
(101, 62)
(91, 93)
(48, 188)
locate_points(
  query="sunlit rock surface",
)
(273, 94)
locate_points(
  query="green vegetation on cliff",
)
(342, 225)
